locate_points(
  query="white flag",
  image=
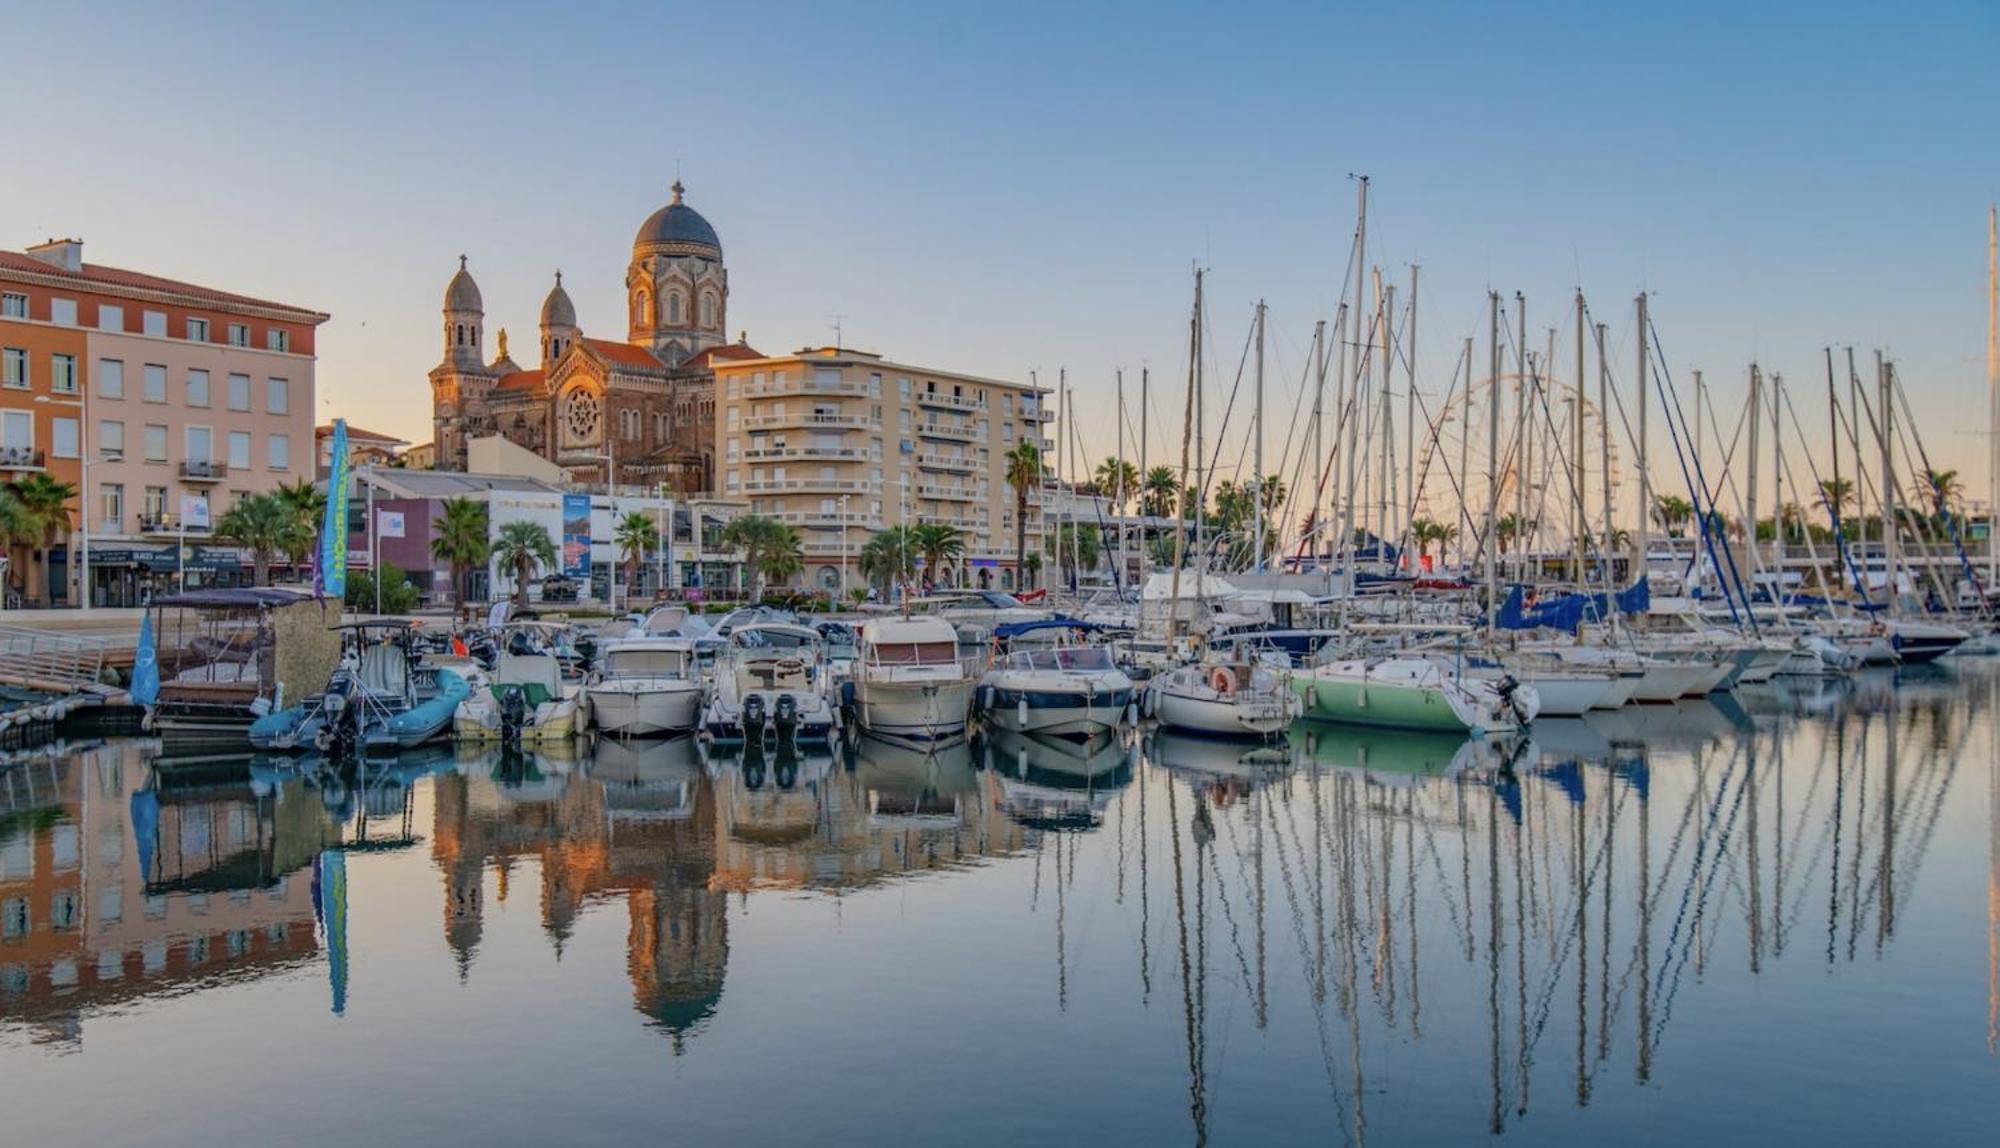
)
(391, 522)
(194, 512)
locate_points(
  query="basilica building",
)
(641, 408)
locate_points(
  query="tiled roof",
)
(624, 353)
(731, 351)
(113, 280)
(519, 381)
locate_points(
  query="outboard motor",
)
(753, 718)
(1506, 687)
(785, 770)
(785, 715)
(513, 713)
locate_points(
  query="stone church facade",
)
(642, 408)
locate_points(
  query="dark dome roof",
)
(462, 294)
(677, 226)
(557, 310)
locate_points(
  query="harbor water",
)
(1772, 917)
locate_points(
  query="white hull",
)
(1225, 717)
(1562, 695)
(924, 709)
(639, 709)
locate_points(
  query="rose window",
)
(581, 416)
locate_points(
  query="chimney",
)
(64, 253)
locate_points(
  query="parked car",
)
(560, 588)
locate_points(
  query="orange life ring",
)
(1222, 681)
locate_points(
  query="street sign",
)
(391, 523)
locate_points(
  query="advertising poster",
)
(576, 535)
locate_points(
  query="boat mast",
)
(1257, 551)
(1577, 526)
(1520, 431)
(1891, 543)
(1750, 498)
(1351, 400)
(1492, 464)
(1604, 457)
(1187, 426)
(1407, 509)
(1641, 539)
(1465, 460)
(1385, 489)
(1316, 469)
(1992, 396)
(1118, 477)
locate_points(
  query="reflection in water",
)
(1589, 905)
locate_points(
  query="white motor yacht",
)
(1060, 691)
(770, 676)
(646, 686)
(909, 680)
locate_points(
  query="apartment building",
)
(145, 393)
(842, 443)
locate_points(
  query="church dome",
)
(462, 294)
(677, 229)
(557, 310)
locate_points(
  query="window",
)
(673, 308)
(197, 388)
(875, 391)
(63, 438)
(200, 443)
(63, 311)
(111, 438)
(155, 507)
(110, 378)
(277, 397)
(239, 392)
(239, 450)
(708, 310)
(156, 442)
(156, 383)
(903, 389)
(13, 367)
(239, 335)
(62, 374)
(278, 452)
(13, 306)
(110, 317)
(278, 339)
(154, 323)
(197, 330)
(111, 507)
(17, 431)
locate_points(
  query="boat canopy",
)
(1007, 631)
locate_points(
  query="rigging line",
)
(1697, 483)
(1819, 487)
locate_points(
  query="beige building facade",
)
(839, 444)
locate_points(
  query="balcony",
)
(946, 463)
(832, 521)
(809, 486)
(1047, 445)
(1038, 414)
(784, 453)
(807, 419)
(804, 387)
(947, 402)
(950, 433)
(21, 458)
(163, 524)
(948, 493)
(198, 470)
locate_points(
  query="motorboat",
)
(527, 701)
(230, 656)
(1055, 690)
(645, 686)
(380, 697)
(1233, 698)
(1415, 693)
(771, 676)
(909, 680)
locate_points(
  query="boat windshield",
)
(773, 641)
(1079, 658)
(646, 663)
(916, 653)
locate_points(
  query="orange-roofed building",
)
(639, 410)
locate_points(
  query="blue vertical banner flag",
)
(332, 573)
(146, 665)
(576, 536)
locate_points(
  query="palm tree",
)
(772, 551)
(1835, 494)
(888, 557)
(1947, 493)
(459, 539)
(1674, 513)
(1426, 531)
(44, 507)
(1119, 480)
(522, 547)
(265, 525)
(1024, 473)
(17, 535)
(637, 535)
(1506, 530)
(1157, 492)
(938, 544)
(307, 502)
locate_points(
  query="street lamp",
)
(83, 496)
(843, 550)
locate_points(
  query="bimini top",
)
(240, 598)
(781, 634)
(1009, 630)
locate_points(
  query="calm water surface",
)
(1769, 918)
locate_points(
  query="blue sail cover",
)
(1572, 610)
(146, 665)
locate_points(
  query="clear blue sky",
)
(1026, 186)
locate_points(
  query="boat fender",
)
(1021, 712)
(1131, 713)
(322, 739)
(1222, 681)
(986, 700)
(847, 695)
(1312, 696)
